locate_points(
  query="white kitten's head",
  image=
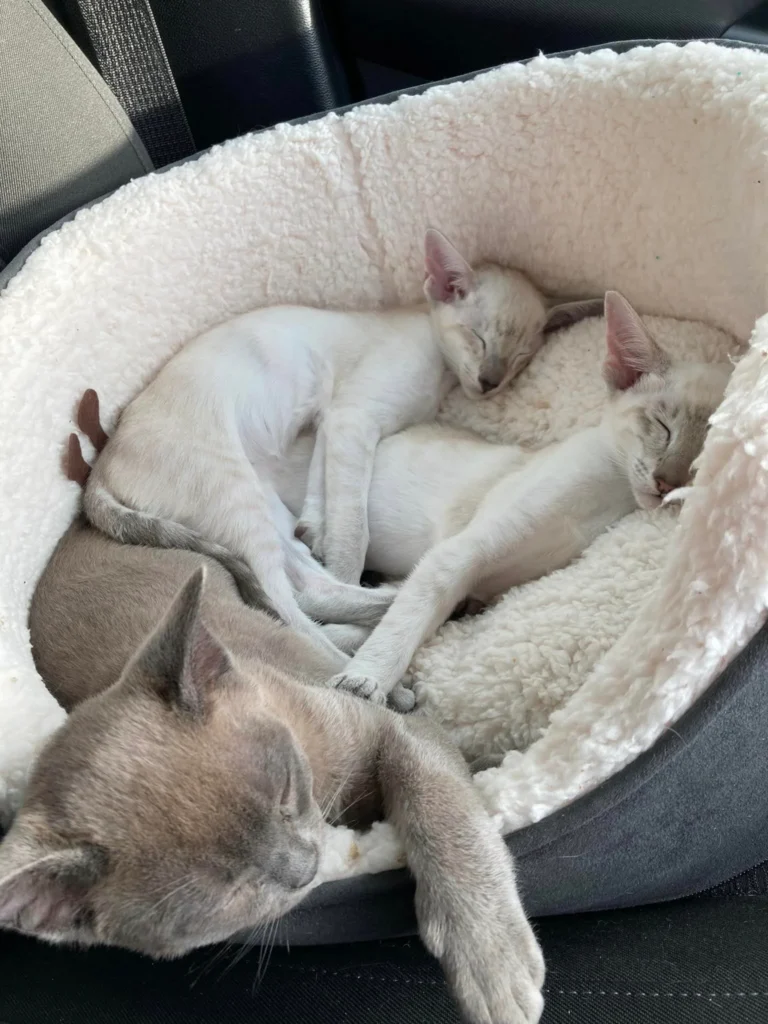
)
(660, 407)
(489, 321)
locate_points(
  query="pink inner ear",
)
(38, 900)
(448, 275)
(618, 373)
(631, 351)
(208, 660)
(444, 285)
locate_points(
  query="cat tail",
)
(130, 526)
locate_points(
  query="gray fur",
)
(130, 526)
(183, 801)
(566, 314)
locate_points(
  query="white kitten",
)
(477, 518)
(188, 464)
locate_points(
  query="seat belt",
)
(130, 56)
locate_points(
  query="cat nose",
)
(296, 867)
(663, 486)
(490, 374)
(487, 385)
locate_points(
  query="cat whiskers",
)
(327, 807)
(188, 882)
(348, 807)
(241, 948)
(265, 953)
(222, 951)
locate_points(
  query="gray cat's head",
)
(169, 812)
(489, 321)
(660, 407)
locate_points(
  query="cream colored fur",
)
(492, 517)
(643, 172)
(189, 462)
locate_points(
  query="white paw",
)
(362, 686)
(402, 699)
(492, 961)
(310, 532)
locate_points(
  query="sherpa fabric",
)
(644, 172)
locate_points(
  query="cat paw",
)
(311, 534)
(402, 699)
(365, 687)
(399, 698)
(491, 959)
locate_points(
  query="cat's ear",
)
(448, 275)
(182, 661)
(631, 351)
(46, 893)
(566, 314)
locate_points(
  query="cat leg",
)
(251, 520)
(327, 600)
(443, 577)
(347, 638)
(350, 439)
(510, 515)
(468, 908)
(330, 601)
(309, 528)
(280, 592)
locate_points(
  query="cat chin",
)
(475, 393)
(647, 499)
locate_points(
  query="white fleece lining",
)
(644, 172)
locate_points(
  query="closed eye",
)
(480, 338)
(664, 427)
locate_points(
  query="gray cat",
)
(186, 801)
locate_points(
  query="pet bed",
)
(629, 686)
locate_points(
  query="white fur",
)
(192, 453)
(194, 447)
(462, 517)
(526, 165)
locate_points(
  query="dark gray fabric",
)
(412, 36)
(750, 883)
(130, 55)
(246, 64)
(698, 962)
(64, 139)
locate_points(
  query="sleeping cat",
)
(184, 799)
(179, 470)
(476, 518)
